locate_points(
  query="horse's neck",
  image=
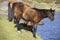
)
(43, 15)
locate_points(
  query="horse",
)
(30, 15)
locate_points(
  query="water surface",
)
(50, 30)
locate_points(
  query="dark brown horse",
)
(30, 15)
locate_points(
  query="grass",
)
(3, 0)
(48, 1)
(8, 32)
(44, 5)
(5, 11)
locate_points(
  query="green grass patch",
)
(9, 32)
(5, 11)
(2, 1)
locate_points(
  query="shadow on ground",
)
(24, 26)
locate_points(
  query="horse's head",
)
(50, 14)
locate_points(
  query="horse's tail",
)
(13, 9)
(10, 11)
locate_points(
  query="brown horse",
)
(30, 15)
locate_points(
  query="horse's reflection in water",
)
(32, 16)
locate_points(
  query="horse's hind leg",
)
(18, 27)
(34, 30)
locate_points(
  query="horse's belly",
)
(30, 23)
(25, 16)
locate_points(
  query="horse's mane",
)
(41, 9)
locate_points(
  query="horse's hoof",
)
(15, 26)
(19, 32)
(34, 36)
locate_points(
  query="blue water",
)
(51, 29)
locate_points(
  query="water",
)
(50, 30)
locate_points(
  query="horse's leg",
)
(30, 24)
(34, 30)
(16, 21)
(18, 26)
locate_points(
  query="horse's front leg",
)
(16, 21)
(34, 30)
